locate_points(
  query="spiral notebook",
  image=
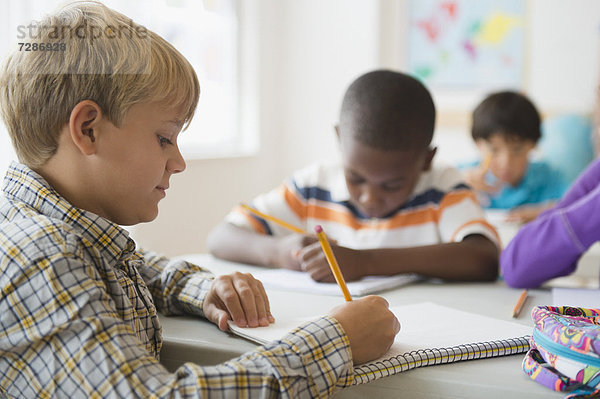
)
(430, 334)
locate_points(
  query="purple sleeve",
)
(551, 245)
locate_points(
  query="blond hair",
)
(106, 58)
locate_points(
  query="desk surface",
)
(196, 340)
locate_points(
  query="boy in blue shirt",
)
(95, 127)
(506, 129)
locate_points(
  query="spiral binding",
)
(429, 357)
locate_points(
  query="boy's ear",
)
(529, 146)
(482, 145)
(429, 158)
(84, 119)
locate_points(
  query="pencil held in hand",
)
(485, 165)
(335, 268)
(274, 220)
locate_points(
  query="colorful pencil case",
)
(565, 350)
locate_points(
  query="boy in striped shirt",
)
(387, 208)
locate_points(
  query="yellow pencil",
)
(520, 304)
(335, 268)
(485, 165)
(274, 220)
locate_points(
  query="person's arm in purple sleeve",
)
(551, 245)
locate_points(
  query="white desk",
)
(195, 340)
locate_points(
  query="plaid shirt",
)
(78, 314)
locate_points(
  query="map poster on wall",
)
(467, 43)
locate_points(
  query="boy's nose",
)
(176, 163)
(504, 160)
(369, 199)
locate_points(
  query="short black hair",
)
(508, 113)
(388, 110)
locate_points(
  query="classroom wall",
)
(563, 54)
(309, 51)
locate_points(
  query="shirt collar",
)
(21, 184)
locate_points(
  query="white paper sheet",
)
(291, 280)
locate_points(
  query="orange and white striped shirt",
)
(441, 209)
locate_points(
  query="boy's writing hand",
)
(476, 179)
(238, 297)
(312, 260)
(371, 327)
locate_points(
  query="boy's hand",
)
(288, 248)
(371, 327)
(313, 261)
(238, 297)
(476, 179)
(526, 213)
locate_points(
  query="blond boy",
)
(95, 126)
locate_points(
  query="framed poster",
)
(467, 43)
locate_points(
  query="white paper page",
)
(284, 279)
(273, 332)
(429, 325)
(423, 326)
(585, 298)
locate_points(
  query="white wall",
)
(6, 151)
(563, 57)
(327, 45)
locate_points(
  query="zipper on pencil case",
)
(559, 350)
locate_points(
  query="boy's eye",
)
(163, 141)
(354, 180)
(392, 187)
